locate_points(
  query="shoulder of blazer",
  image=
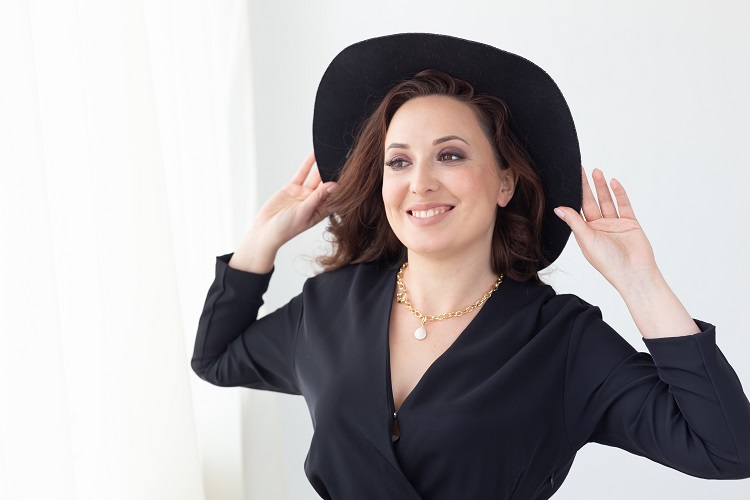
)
(365, 270)
(364, 281)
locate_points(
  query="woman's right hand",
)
(296, 207)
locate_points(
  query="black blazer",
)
(500, 414)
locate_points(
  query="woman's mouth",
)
(424, 215)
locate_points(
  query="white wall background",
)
(658, 91)
(138, 137)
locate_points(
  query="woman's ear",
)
(508, 180)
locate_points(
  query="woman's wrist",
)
(256, 253)
(656, 310)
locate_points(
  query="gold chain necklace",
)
(420, 333)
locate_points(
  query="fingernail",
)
(331, 188)
(560, 213)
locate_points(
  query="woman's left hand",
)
(613, 243)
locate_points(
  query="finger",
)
(589, 205)
(304, 169)
(606, 204)
(623, 202)
(314, 179)
(315, 200)
(574, 221)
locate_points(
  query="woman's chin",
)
(431, 248)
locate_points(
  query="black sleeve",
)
(682, 405)
(232, 348)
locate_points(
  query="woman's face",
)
(441, 181)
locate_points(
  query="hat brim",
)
(362, 74)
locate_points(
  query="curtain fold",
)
(126, 156)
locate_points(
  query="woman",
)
(434, 362)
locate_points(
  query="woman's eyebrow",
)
(448, 138)
(434, 143)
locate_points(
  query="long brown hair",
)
(358, 225)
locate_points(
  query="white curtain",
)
(127, 165)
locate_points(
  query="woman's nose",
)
(423, 178)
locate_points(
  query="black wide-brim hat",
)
(362, 74)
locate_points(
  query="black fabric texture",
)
(500, 414)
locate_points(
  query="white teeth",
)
(423, 214)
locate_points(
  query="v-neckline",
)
(389, 383)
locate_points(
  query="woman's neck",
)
(436, 286)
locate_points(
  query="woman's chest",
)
(489, 395)
(360, 366)
(411, 357)
(493, 396)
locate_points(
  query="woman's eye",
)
(448, 156)
(396, 163)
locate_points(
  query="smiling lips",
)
(429, 213)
